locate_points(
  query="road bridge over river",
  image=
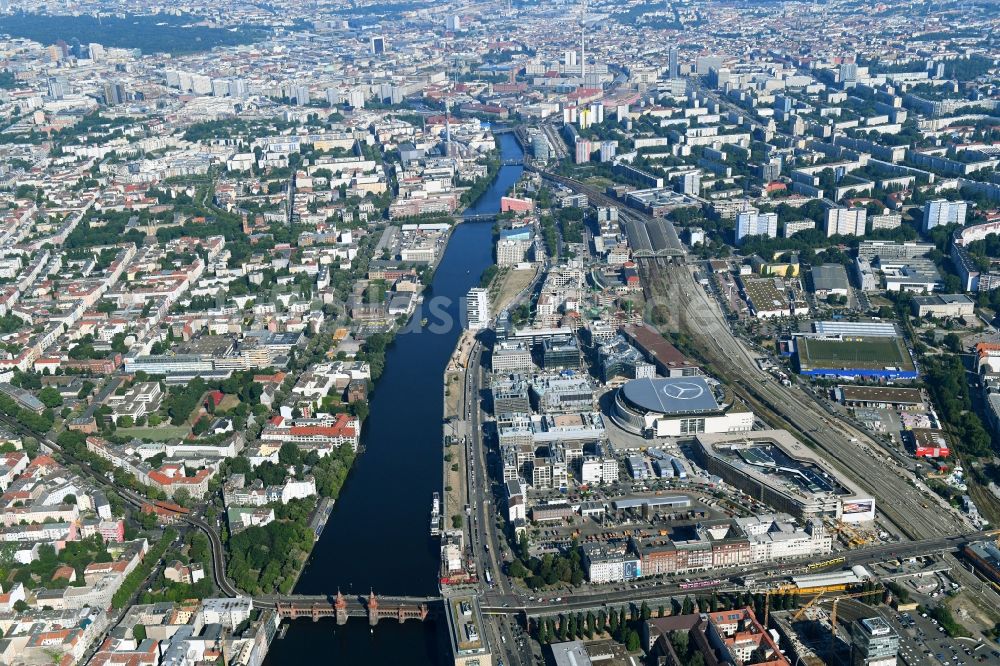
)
(341, 607)
(495, 602)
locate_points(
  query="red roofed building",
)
(213, 399)
(66, 572)
(11, 465)
(584, 94)
(171, 477)
(669, 361)
(987, 358)
(146, 653)
(504, 88)
(744, 638)
(14, 594)
(486, 109)
(41, 466)
(630, 275)
(68, 643)
(276, 378)
(322, 433)
(512, 204)
(166, 516)
(94, 365)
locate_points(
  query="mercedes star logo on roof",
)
(682, 390)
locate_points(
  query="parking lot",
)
(631, 522)
(923, 641)
(931, 581)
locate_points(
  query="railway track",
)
(898, 500)
(694, 312)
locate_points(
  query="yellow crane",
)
(854, 538)
(836, 600)
(784, 587)
(833, 615)
(852, 595)
(807, 606)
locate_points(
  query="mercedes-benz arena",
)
(675, 407)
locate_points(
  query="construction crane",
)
(833, 615)
(807, 606)
(854, 539)
(852, 595)
(767, 598)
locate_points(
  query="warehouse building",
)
(830, 280)
(880, 397)
(669, 361)
(943, 305)
(985, 556)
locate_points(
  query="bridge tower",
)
(341, 606)
(372, 609)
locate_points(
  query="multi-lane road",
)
(767, 575)
(483, 537)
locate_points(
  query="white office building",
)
(597, 469)
(607, 563)
(511, 251)
(873, 642)
(795, 226)
(476, 309)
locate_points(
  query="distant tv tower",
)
(447, 125)
(583, 44)
(447, 104)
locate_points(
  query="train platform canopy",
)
(832, 580)
(655, 237)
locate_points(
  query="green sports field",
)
(854, 352)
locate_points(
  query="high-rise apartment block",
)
(754, 223)
(476, 309)
(846, 221)
(941, 211)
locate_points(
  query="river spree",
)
(377, 536)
